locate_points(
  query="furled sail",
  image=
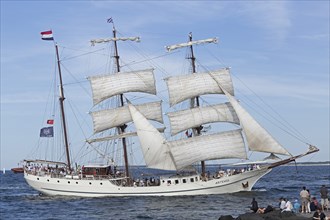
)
(188, 86)
(154, 147)
(118, 136)
(190, 43)
(106, 86)
(111, 118)
(228, 144)
(190, 118)
(257, 137)
(97, 41)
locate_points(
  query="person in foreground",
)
(324, 198)
(296, 206)
(254, 205)
(304, 196)
(318, 215)
(282, 203)
(265, 210)
(288, 206)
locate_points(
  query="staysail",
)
(155, 149)
(258, 138)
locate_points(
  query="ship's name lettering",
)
(221, 181)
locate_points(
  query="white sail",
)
(257, 137)
(106, 86)
(228, 144)
(188, 86)
(190, 43)
(110, 118)
(190, 118)
(154, 147)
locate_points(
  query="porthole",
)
(37, 178)
(69, 182)
(101, 183)
(47, 180)
(58, 181)
(90, 183)
(76, 182)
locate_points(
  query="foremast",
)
(120, 128)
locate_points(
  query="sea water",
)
(20, 201)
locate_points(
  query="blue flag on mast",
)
(47, 132)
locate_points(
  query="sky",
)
(277, 49)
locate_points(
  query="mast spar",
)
(196, 130)
(121, 129)
(61, 99)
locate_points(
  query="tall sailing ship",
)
(177, 158)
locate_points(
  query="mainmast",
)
(61, 99)
(196, 130)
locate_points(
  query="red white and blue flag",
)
(47, 35)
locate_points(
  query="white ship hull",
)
(100, 188)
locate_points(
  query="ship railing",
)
(96, 177)
(120, 181)
(44, 173)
